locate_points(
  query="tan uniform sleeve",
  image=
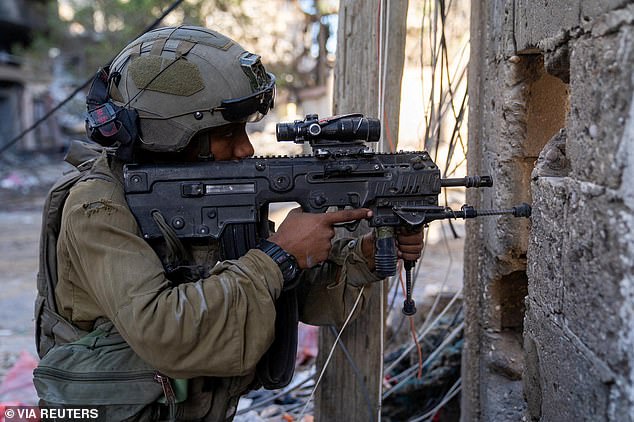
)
(327, 293)
(219, 326)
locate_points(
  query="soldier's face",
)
(230, 142)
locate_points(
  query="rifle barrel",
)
(468, 181)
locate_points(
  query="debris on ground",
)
(17, 385)
(419, 390)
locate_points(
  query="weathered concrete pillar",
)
(495, 249)
(344, 394)
(551, 120)
(579, 330)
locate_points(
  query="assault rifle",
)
(218, 199)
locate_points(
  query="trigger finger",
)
(411, 249)
(414, 239)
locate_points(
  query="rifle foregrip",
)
(385, 258)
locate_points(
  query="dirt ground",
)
(22, 192)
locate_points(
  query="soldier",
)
(162, 329)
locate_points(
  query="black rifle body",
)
(200, 200)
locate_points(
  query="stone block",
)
(591, 9)
(498, 19)
(593, 266)
(600, 96)
(562, 380)
(502, 400)
(545, 248)
(536, 20)
(502, 353)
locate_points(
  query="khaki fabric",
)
(216, 327)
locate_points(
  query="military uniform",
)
(131, 323)
(212, 331)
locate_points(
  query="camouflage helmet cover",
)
(186, 79)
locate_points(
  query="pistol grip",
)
(385, 258)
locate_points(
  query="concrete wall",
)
(550, 302)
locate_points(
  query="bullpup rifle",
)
(208, 199)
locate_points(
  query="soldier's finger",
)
(409, 248)
(348, 215)
(414, 239)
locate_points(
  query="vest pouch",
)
(100, 369)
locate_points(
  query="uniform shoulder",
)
(98, 185)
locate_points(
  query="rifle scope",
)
(349, 127)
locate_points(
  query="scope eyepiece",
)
(345, 128)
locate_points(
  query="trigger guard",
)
(350, 226)
(412, 218)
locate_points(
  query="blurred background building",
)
(50, 48)
(24, 88)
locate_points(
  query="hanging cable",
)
(332, 350)
(451, 393)
(380, 106)
(52, 111)
(443, 83)
(281, 393)
(409, 373)
(424, 331)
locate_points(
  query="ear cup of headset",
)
(108, 124)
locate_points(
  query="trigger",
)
(350, 225)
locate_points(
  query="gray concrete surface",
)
(577, 255)
(18, 266)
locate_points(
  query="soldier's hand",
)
(409, 243)
(308, 236)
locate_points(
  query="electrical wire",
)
(446, 99)
(332, 350)
(281, 393)
(384, 33)
(445, 280)
(411, 371)
(425, 330)
(451, 393)
(408, 373)
(419, 350)
(382, 345)
(52, 111)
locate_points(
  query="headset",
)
(109, 124)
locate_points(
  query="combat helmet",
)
(180, 81)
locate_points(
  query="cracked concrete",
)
(557, 114)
